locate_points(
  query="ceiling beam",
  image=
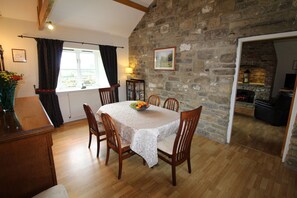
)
(44, 8)
(133, 5)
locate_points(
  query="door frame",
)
(293, 109)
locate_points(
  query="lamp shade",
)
(129, 70)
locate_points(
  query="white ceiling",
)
(98, 15)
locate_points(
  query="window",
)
(80, 69)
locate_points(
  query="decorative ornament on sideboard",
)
(8, 83)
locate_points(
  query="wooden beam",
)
(133, 5)
(43, 10)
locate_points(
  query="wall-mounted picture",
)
(294, 65)
(19, 55)
(164, 59)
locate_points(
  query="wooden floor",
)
(257, 134)
(218, 170)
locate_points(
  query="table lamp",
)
(129, 71)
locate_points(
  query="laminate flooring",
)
(218, 170)
(256, 134)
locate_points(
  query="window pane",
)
(81, 69)
(88, 77)
(68, 79)
(87, 60)
(68, 60)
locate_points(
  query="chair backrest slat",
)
(182, 145)
(108, 95)
(112, 135)
(171, 104)
(91, 118)
(105, 95)
(154, 100)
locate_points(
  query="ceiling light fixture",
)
(50, 26)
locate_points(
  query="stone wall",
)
(257, 74)
(261, 92)
(205, 34)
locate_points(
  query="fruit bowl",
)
(139, 105)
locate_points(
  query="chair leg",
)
(90, 140)
(98, 146)
(189, 165)
(173, 175)
(107, 155)
(120, 167)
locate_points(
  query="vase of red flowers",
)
(8, 83)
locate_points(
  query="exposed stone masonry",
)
(261, 92)
(205, 34)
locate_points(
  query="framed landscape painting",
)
(19, 55)
(164, 59)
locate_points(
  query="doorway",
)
(293, 110)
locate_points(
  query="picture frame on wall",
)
(294, 67)
(19, 55)
(164, 59)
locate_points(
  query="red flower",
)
(16, 77)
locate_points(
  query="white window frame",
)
(100, 72)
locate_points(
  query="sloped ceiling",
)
(98, 15)
(23, 10)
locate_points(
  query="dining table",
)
(143, 129)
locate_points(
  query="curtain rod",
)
(22, 36)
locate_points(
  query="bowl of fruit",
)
(139, 105)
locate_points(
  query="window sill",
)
(76, 90)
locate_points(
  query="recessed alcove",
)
(257, 75)
(259, 59)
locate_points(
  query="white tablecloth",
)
(142, 128)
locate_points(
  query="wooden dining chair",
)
(176, 148)
(108, 95)
(95, 128)
(115, 142)
(154, 100)
(171, 104)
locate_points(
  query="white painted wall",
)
(286, 52)
(71, 103)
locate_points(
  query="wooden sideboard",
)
(26, 159)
